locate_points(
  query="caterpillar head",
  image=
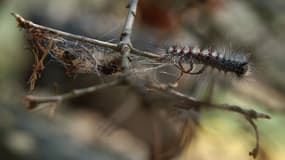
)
(242, 69)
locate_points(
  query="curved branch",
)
(249, 114)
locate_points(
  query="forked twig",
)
(26, 24)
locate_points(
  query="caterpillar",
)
(233, 63)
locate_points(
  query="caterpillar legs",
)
(188, 70)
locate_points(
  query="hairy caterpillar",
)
(234, 63)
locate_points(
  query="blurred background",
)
(127, 123)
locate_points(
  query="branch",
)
(32, 102)
(146, 54)
(127, 30)
(246, 112)
(249, 114)
(26, 24)
(125, 39)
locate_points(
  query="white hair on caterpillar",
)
(225, 60)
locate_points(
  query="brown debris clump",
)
(78, 57)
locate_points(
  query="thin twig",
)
(246, 112)
(125, 39)
(146, 54)
(23, 23)
(249, 114)
(33, 102)
(254, 152)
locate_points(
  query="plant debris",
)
(78, 57)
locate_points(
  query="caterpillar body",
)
(234, 63)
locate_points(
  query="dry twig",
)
(249, 114)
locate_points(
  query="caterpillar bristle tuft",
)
(236, 63)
